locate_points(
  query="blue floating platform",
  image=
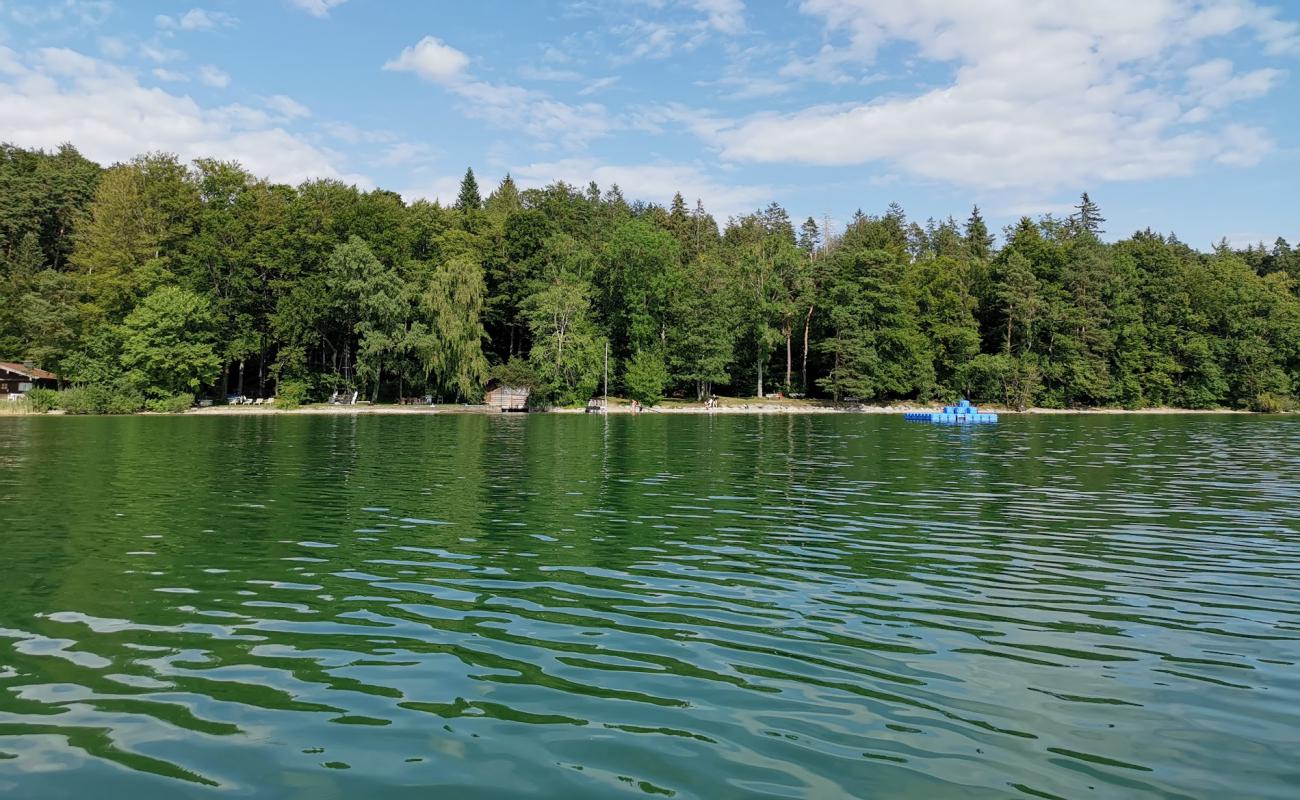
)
(961, 414)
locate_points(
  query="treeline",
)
(156, 278)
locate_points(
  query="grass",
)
(15, 408)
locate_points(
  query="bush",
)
(100, 400)
(42, 400)
(80, 400)
(290, 394)
(122, 401)
(1270, 403)
(172, 405)
(646, 377)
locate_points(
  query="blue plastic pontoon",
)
(961, 414)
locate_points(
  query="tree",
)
(979, 242)
(452, 351)
(646, 377)
(468, 198)
(875, 345)
(382, 306)
(702, 332)
(143, 211)
(810, 238)
(640, 272)
(567, 349)
(946, 318)
(168, 343)
(501, 203)
(1086, 218)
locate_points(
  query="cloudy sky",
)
(1181, 115)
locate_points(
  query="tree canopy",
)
(166, 277)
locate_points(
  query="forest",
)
(157, 279)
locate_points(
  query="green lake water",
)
(699, 607)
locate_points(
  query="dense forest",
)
(154, 279)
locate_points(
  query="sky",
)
(1179, 115)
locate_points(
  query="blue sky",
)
(1181, 115)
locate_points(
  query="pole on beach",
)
(605, 402)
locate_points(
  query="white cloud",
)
(213, 76)
(196, 19)
(442, 189)
(57, 95)
(1040, 96)
(83, 12)
(159, 54)
(656, 183)
(1216, 85)
(169, 75)
(352, 134)
(724, 16)
(432, 60)
(317, 8)
(532, 73)
(113, 47)
(405, 154)
(600, 84)
(286, 106)
(535, 114)
(651, 40)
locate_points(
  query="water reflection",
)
(704, 607)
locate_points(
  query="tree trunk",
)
(261, 367)
(240, 391)
(807, 325)
(789, 362)
(760, 374)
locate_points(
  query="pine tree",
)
(810, 238)
(468, 199)
(979, 242)
(505, 200)
(1086, 218)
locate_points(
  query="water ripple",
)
(727, 607)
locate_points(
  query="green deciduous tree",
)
(168, 343)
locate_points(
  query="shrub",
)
(42, 400)
(100, 400)
(646, 377)
(290, 394)
(122, 401)
(80, 400)
(172, 405)
(1270, 403)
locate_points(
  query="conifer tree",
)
(1086, 218)
(468, 199)
(979, 242)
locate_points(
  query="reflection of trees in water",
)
(622, 572)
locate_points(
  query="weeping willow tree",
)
(452, 349)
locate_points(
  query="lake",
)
(556, 606)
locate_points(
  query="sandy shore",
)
(730, 406)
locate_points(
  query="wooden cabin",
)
(17, 379)
(506, 398)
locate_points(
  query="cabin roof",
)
(28, 372)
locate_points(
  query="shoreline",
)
(728, 406)
(731, 407)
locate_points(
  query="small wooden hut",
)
(506, 398)
(19, 379)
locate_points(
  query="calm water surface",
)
(572, 607)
